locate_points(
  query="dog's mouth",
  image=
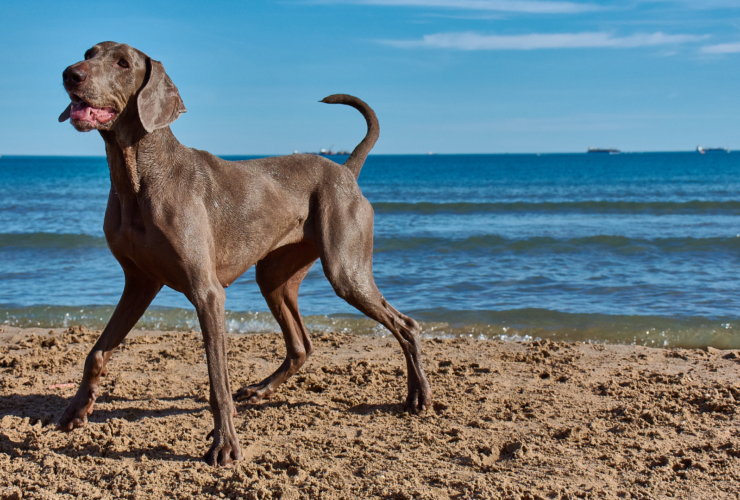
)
(81, 111)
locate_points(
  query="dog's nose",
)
(73, 76)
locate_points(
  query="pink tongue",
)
(83, 112)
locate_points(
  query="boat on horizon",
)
(702, 150)
(326, 152)
(610, 151)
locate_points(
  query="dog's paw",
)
(76, 413)
(418, 400)
(253, 394)
(67, 425)
(224, 451)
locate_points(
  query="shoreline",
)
(524, 324)
(510, 420)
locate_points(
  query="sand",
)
(539, 420)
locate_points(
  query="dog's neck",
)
(129, 155)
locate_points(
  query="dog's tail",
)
(358, 156)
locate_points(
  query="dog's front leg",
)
(138, 293)
(209, 304)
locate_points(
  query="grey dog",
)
(187, 219)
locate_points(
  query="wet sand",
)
(541, 420)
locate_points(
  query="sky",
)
(448, 76)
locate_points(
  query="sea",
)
(632, 248)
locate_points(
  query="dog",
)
(187, 219)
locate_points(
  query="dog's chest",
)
(143, 234)
(126, 231)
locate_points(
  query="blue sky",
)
(450, 76)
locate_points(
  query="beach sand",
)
(535, 420)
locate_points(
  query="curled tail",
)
(358, 156)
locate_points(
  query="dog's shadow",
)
(241, 406)
(360, 409)
(27, 448)
(387, 408)
(47, 408)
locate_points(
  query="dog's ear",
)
(159, 101)
(65, 114)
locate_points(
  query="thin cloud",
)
(694, 5)
(533, 41)
(525, 6)
(722, 48)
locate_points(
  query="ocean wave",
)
(544, 244)
(594, 207)
(487, 243)
(511, 325)
(50, 240)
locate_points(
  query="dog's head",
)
(117, 83)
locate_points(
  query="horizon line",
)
(729, 151)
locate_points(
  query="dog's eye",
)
(88, 55)
(123, 63)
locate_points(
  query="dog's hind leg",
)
(347, 258)
(138, 293)
(279, 276)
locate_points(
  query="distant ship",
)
(604, 151)
(711, 150)
(327, 152)
(324, 152)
